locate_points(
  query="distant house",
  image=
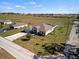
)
(42, 29)
(19, 25)
(6, 21)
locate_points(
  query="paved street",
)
(73, 38)
(15, 36)
(15, 50)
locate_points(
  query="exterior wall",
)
(8, 22)
(41, 33)
(35, 30)
(49, 31)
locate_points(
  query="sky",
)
(40, 6)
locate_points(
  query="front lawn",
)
(10, 32)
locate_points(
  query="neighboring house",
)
(6, 21)
(19, 25)
(42, 29)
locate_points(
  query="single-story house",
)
(42, 29)
(6, 21)
(19, 25)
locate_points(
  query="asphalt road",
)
(17, 51)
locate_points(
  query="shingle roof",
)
(43, 27)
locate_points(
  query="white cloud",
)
(5, 3)
(32, 2)
(9, 8)
(38, 6)
(20, 6)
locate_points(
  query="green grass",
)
(10, 32)
(60, 35)
(4, 26)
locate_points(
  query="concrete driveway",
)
(15, 36)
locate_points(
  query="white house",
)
(19, 25)
(46, 28)
(43, 29)
(6, 21)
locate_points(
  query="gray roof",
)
(43, 27)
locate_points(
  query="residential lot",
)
(59, 35)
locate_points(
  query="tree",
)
(28, 36)
(11, 27)
(77, 18)
(2, 24)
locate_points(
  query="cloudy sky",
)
(39, 6)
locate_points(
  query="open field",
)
(60, 35)
(34, 19)
(5, 55)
